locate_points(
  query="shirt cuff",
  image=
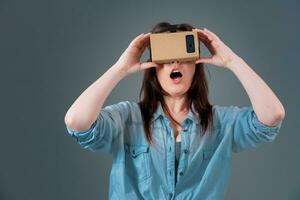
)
(263, 127)
(82, 135)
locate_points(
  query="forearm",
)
(87, 106)
(266, 105)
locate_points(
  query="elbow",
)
(280, 114)
(76, 124)
(274, 119)
(69, 122)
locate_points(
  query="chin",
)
(177, 92)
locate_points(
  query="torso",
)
(176, 131)
(176, 128)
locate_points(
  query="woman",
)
(173, 143)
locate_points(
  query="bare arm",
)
(86, 108)
(266, 105)
(84, 111)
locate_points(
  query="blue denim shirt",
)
(141, 171)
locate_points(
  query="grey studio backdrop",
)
(51, 51)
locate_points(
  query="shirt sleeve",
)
(104, 133)
(245, 127)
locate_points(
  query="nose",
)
(175, 61)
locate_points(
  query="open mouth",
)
(175, 75)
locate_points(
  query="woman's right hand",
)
(129, 61)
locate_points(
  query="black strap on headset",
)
(172, 28)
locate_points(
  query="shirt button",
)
(181, 173)
(186, 151)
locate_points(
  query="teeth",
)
(175, 74)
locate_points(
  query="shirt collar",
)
(193, 116)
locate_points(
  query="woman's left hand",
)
(222, 55)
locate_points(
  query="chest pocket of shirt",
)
(137, 161)
(207, 155)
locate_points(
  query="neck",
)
(176, 104)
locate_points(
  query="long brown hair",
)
(153, 92)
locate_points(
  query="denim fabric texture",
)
(143, 171)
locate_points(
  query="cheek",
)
(190, 73)
(159, 74)
(162, 79)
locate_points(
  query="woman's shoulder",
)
(127, 109)
(125, 104)
(227, 113)
(226, 109)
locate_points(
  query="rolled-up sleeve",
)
(246, 129)
(104, 133)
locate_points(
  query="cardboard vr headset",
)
(170, 46)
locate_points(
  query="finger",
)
(147, 65)
(214, 44)
(146, 40)
(208, 43)
(143, 44)
(209, 46)
(136, 38)
(143, 49)
(204, 35)
(143, 41)
(212, 33)
(203, 38)
(136, 41)
(204, 60)
(211, 37)
(208, 33)
(207, 39)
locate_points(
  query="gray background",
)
(51, 51)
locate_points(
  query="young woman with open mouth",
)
(173, 144)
